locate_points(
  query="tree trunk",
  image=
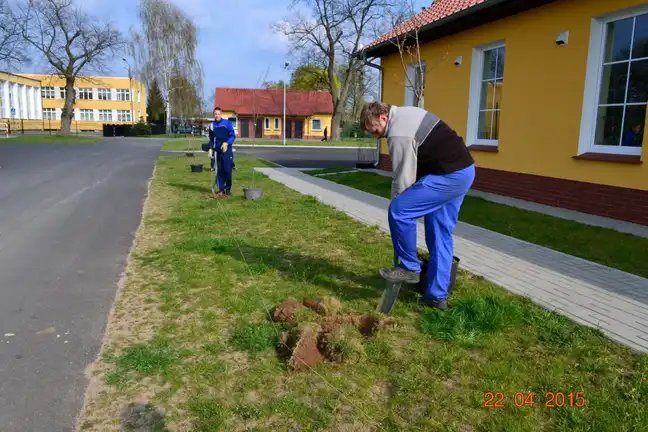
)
(167, 111)
(67, 113)
(335, 123)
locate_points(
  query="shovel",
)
(390, 294)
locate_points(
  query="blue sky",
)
(240, 29)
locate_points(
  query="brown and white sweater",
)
(420, 143)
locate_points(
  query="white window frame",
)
(476, 78)
(266, 123)
(49, 113)
(124, 116)
(85, 93)
(105, 115)
(313, 124)
(86, 114)
(593, 76)
(48, 92)
(62, 92)
(123, 95)
(411, 78)
(276, 123)
(104, 94)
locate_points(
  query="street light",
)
(130, 84)
(286, 64)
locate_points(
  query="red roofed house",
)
(258, 113)
(549, 95)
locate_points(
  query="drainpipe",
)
(380, 85)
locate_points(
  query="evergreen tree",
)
(155, 103)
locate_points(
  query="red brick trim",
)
(483, 148)
(384, 162)
(625, 204)
(604, 157)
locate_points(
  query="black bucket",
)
(196, 167)
(422, 285)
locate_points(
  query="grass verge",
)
(58, 139)
(189, 334)
(601, 245)
(194, 143)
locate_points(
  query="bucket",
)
(422, 285)
(196, 167)
(205, 147)
(252, 194)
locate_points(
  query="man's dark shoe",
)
(435, 304)
(399, 274)
(228, 192)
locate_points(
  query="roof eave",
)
(387, 47)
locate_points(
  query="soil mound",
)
(326, 306)
(285, 312)
(341, 344)
(300, 346)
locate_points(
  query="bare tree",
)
(12, 44)
(403, 27)
(165, 49)
(329, 36)
(70, 41)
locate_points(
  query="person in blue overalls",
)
(221, 138)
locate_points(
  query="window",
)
(105, 115)
(86, 114)
(415, 84)
(123, 116)
(317, 124)
(616, 84)
(486, 90)
(47, 92)
(276, 125)
(267, 123)
(123, 94)
(233, 121)
(49, 113)
(85, 93)
(63, 92)
(103, 94)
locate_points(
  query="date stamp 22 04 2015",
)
(530, 399)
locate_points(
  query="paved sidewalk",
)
(591, 294)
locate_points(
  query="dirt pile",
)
(330, 335)
(285, 311)
(299, 346)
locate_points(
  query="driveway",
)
(68, 214)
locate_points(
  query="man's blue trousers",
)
(437, 198)
(224, 165)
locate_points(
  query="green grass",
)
(331, 170)
(58, 139)
(195, 143)
(604, 246)
(204, 352)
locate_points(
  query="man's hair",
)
(218, 109)
(372, 111)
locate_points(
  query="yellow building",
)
(20, 102)
(550, 96)
(99, 100)
(258, 113)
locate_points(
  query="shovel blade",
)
(389, 297)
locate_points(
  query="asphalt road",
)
(312, 157)
(68, 214)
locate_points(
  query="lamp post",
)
(130, 85)
(286, 64)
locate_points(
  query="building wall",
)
(119, 109)
(277, 133)
(23, 95)
(542, 107)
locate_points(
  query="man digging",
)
(433, 171)
(221, 138)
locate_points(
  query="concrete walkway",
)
(591, 294)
